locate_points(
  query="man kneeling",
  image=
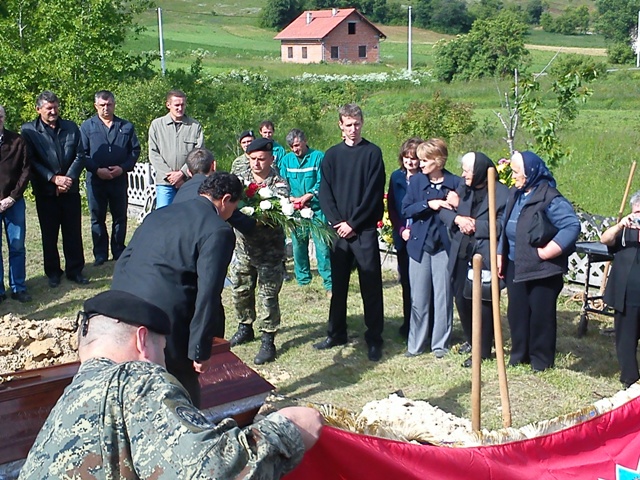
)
(124, 416)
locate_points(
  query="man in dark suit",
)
(177, 260)
(57, 159)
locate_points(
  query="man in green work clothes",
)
(301, 169)
(259, 257)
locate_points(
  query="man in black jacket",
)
(177, 260)
(112, 149)
(351, 197)
(57, 159)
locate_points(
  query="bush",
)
(492, 48)
(573, 21)
(446, 16)
(441, 117)
(582, 64)
(621, 53)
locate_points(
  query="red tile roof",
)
(322, 23)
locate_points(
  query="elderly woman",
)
(533, 264)
(398, 183)
(623, 289)
(469, 226)
(427, 245)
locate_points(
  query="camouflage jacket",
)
(133, 420)
(265, 245)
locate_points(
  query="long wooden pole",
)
(495, 300)
(620, 215)
(476, 342)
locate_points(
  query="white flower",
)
(265, 205)
(248, 210)
(265, 192)
(287, 208)
(284, 200)
(306, 213)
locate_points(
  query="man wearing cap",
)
(177, 260)
(171, 138)
(241, 162)
(125, 416)
(259, 258)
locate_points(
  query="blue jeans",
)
(14, 226)
(165, 195)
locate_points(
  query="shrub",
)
(621, 53)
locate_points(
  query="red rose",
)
(380, 224)
(297, 205)
(252, 189)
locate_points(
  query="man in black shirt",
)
(351, 197)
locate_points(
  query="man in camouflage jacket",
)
(124, 417)
(259, 258)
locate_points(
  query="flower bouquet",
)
(385, 228)
(269, 208)
(504, 172)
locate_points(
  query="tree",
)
(484, 9)
(535, 9)
(573, 21)
(279, 13)
(617, 18)
(492, 47)
(447, 16)
(73, 47)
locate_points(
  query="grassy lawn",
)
(586, 369)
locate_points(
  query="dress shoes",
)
(467, 363)
(22, 297)
(374, 353)
(79, 279)
(329, 342)
(54, 281)
(465, 348)
(99, 261)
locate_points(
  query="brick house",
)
(336, 35)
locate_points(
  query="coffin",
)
(229, 388)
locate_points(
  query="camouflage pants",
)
(268, 278)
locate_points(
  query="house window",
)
(289, 52)
(304, 52)
(352, 28)
(334, 52)
(362, 51)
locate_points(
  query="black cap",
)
(246, 133)
(260, 145)
(129, 309)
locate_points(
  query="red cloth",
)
(606, 447)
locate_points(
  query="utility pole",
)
(162, 65)
(637, 45)
(409, 43)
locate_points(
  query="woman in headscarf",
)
(398, 184)
(469, 226)
(428, 246)
(540, 232)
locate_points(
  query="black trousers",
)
(465, 310)
(532, 319)
(187, 376)
(627, 326)
(55, 213)
(363, 248)
(403, 273)
(108, 195)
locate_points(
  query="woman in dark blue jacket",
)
(428, 245)
(398, 183)
(534, 273)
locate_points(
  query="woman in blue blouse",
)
(398, 183)
(534, 274)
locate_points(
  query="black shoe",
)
(267, 352)
(404, 331)
(79, 279)
(22, 297)
(375, 353)
(467, 363)
(99, 261)
(3, 297)
(243, 335)
(329, 343)
(54, 281)
(465, 348)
